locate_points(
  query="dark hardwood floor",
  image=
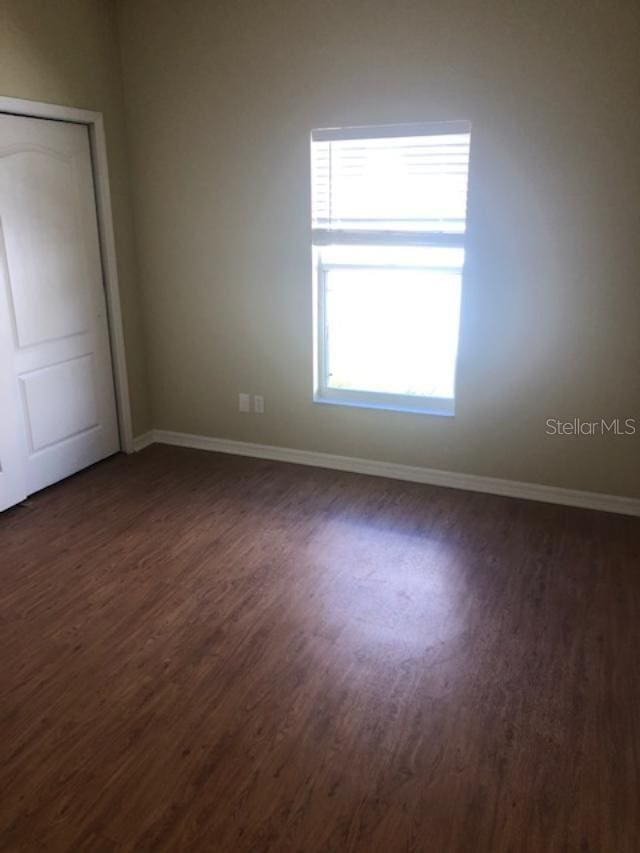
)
(202, 652)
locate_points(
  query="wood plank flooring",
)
(202, 652)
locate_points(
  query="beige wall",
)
(221, 98)
(66, 52)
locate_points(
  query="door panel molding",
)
(32, 148)
(49, 217)
(43, 401)
(97, 141)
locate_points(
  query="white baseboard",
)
(144, 440)
(431, 476)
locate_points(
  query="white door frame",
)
(97, 141)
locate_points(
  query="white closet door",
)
(13, 483)
(56, 359)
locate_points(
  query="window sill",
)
(414, 409)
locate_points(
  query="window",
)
(388, 224)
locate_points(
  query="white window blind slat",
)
(397, 183)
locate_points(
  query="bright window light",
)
(389, 215)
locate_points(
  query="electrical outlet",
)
(258, 404)
(244, 402)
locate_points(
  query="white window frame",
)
(322, 391)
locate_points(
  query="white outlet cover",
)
(244, 402)
(258, 404)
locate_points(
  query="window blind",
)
(398, 178)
